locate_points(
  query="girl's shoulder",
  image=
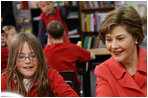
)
(4, 82)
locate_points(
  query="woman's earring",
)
(136, 43)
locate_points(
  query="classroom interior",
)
(25, 15)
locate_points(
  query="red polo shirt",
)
(64, 56)
(114, 81)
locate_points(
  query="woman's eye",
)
(120, 38)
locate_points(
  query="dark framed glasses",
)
(31, 57)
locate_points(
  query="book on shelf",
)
(91, 22)
(87, 23)
(99, 19)
(97, 4)
(89, 42)
(93, 42)
(108, 3)
(85, 42)
(82, 23)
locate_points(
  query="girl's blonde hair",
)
(43, 86)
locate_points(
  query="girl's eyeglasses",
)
(22, 57)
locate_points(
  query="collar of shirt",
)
(26, 83)
(118, 70)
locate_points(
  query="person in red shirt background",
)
(125, 73)
(8, 34)
(63, 56)
(28, 74)
(4, 52)
(50, 13)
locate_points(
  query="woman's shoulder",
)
(103, 67)
(142, 52)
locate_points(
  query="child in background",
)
(4, 52)
(49, 13)
(10, 33)
(28, 74)
(3, 42)
(63, 56)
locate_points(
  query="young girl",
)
(28, 74)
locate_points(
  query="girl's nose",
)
(27, 59)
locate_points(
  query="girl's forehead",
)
(21, 47)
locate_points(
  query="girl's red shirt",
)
(57, 84)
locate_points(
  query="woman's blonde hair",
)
(126, 17)
(40, 75)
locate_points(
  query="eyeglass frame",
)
(29, 57)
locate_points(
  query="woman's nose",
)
(114, 45)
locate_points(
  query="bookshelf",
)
(99, 51)
(22, 16)
(92, 13)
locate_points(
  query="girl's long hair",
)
(40, 75)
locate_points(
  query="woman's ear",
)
(136, 40)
